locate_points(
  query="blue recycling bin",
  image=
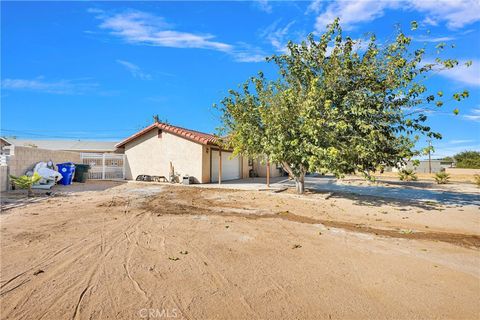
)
(67, 170)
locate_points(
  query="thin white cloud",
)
(447, 148)
(277, 36)
(474, 115)
(264, 5)
(429, 21)
(315, 6)
(95, 10)
(74, 86)
(455, 13)
(144, 28)
(433, 39)
(448, 151)
(352, 13)
(460, 141)
(249, 57)
(463, 74)
(135, 70)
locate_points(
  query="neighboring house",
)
(83, 146)
(4, 146)
(152, 150)
(424, 166)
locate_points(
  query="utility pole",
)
(429, 155)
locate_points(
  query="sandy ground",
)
(148, 251)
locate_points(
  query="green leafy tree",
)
(26, 182)
(335, 107)
(468, 159)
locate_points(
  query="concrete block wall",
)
(3, 178)
(24, 158)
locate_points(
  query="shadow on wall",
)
(128, 170)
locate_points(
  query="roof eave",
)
(122, 143)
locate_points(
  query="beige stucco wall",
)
(24, 158)
(261, 169)
(206, 151)
(151, 155)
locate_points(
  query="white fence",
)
(4, 159)
(105, 165)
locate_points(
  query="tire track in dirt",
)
(264, 270)
(15, 287)
(76, 312)
(131, 248)
(172, 296)
(11, 279)
(93, 279)
(220, 280)
(78, 250)
(5, 283)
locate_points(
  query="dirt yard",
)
(151, 251)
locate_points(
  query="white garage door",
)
(230, 167)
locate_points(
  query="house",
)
(82, 146)
(198, 155)
(424, 166)
(4, 146)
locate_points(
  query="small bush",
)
(26, 182)
(442, 177)
(476, 179)
(407, 175)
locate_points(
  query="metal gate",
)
(105, 165)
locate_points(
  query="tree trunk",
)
(300, 184)
(299, 179)
(29, 192)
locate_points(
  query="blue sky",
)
(100, 70)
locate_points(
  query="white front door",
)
(230, 167)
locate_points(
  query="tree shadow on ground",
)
(398, 204)
(401, 195)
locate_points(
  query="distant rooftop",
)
(66, 145)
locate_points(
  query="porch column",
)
(268, 173)
(220, 166)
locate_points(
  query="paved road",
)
(400, 193)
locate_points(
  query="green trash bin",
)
(81, 172)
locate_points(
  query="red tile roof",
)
(192, 135)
